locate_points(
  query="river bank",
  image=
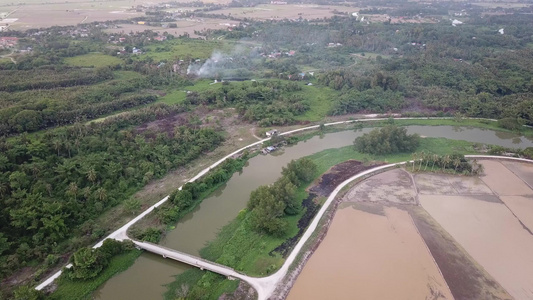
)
(313, 149)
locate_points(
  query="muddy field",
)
(345, 268)
(475, 231)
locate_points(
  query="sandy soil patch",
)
(491, 234)
(522, 207)
(392, 186)
(362, 270)
(502, 181)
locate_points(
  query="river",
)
(147, 277)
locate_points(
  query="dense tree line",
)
(386, 140)
(268, 102)
(53, 185)
(11, 80)
(269, 204)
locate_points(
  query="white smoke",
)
(219, 62)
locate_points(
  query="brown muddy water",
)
(495, 229)
(371, 256)
(201, 225)
(491, 234)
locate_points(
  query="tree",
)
(132, 205)
(26, 292)
(86, 264)
(387, 140)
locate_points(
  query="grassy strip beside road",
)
(245, 250)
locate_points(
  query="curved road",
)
(264, 286)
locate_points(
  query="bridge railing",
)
(139, 244)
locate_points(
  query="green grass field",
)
(179, 95)
(321, 101)
(94, 60)
(181, 49)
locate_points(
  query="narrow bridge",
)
(188, 259)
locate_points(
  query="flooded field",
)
(399, 235)
(349, 268)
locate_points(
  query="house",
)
(8, 42)
(160, 38)
(271, 132)
(141, 23)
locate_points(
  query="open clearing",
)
(38, 14)
(289, 11)
(188, 26)
(428, 236)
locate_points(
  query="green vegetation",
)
(55, 184)
(320, 101)
(267, 102)
(456, 163)
(198, 284)
(69, 289)
(185, 49)
(94, 60)
(269, 204)
(387, 140)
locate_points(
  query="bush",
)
(511, 123)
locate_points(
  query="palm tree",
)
(446, 161)
(421, 158)
(73, 189)
(435, 157)
(427, 158)
(415, 156)
(57, 145)
(101, 194)
(91, 175)
(456, 162)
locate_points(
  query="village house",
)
(8, 42)
(271, 132)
